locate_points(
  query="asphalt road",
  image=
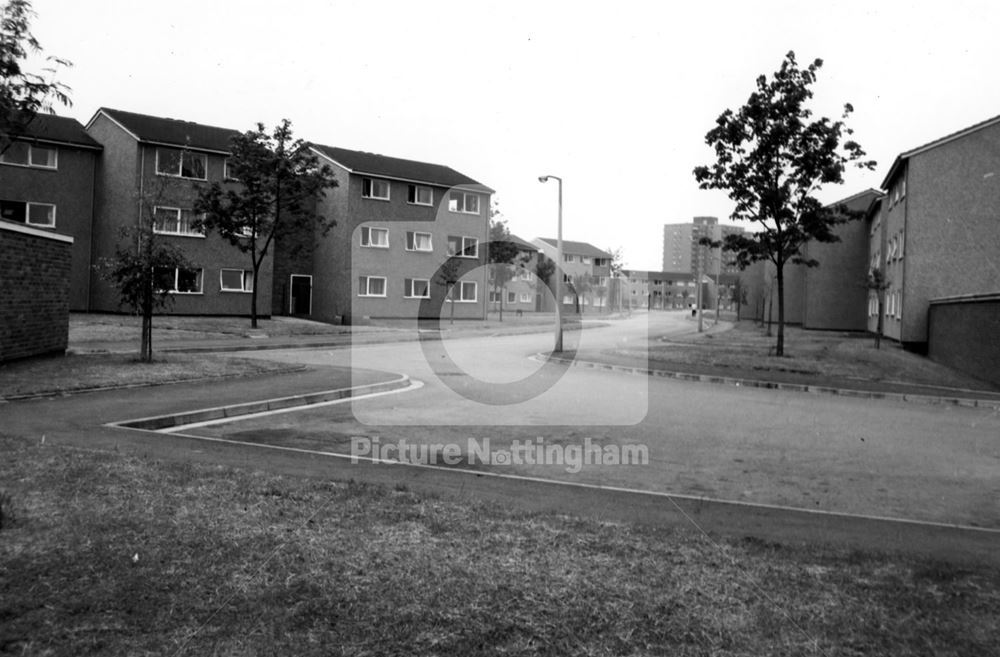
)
(876, 458)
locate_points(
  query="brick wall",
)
(962, 334)
(34, 297)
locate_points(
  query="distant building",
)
(582, 265)
(523, 291)
(681, 248)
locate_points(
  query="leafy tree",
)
(503, 253)
(580, 285)
(772, 158)
(615, 268)
(140, 261)
(878, 282)
(278, 179)
(448, 275)
(24, 94)
(545, 267)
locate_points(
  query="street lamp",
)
(559, 256)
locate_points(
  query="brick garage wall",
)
(962, 334)
(34, 295)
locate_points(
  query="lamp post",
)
(559, 256)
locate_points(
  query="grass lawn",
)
(95, 327)
(76, 372)
(108, 555)
(747, 350)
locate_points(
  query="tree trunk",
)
(501, 302)
(253, 300)
(879, 327)
(452, 292)
(780, 348)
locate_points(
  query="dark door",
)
(301, 295)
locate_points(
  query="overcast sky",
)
(615, 97)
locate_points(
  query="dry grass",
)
(86, 327)
(114, 556)
(79, 372)
(747, 350)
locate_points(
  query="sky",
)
(614, 97)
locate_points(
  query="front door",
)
(301, 301)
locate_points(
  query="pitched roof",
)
(934, 144)
(57, 129)
(577, 248)
(861, 201)
(171, 132)
(383, 166)
(522, 244)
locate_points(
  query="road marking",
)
(559, 482)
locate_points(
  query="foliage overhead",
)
(24, 94)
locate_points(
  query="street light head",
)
(543, 178)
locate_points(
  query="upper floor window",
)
(227, 170)
(30, 155)
(463, 247)
(42, 215)
(418, 241)
(375, 237)
(464, 202)
(419, 195)
(181, 164)
(375, 188)
(175, 221)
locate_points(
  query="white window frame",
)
(494, 296)
(366, 237)
(408, 288)
(180, 163)
(370, 184)
(177, 233)
(245, 274)
(201, 282)
(463, 242)
(367, 292)
(525, 297)
(511, 296)
(414, 192)
(461, 287)
(225, 171)
(27, 215)
(30, 161)
(411, 239)
(453, 202)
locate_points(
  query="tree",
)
(878, 282)
(278, 179)
(137, 270)
(24, 94)
(580, 284)
(615, 268)
(448, 275)
(772, 158)
(545, 267)
(502, 254)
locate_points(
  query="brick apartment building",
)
(47, 182)
(398, 222)
(584, 265)
(153, 167)
(523, 291)
(681, 249)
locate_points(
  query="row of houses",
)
(933, 229)
(398, 222)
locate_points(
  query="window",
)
(464, 202)
(181, 164)
(494, 296)
(371, 286)
(375, 237)
(374, 188)
(174, 221)
(179, 281)
(587, 260)
(567, 257)
(417, 288)
(511, 297)
(463, 247)
(228, 170)
(523, 274)
(420, 195)
(30, 155)
(236, 280)
(418, 241)
(42, 215)
(525, 297)
(466, 292)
